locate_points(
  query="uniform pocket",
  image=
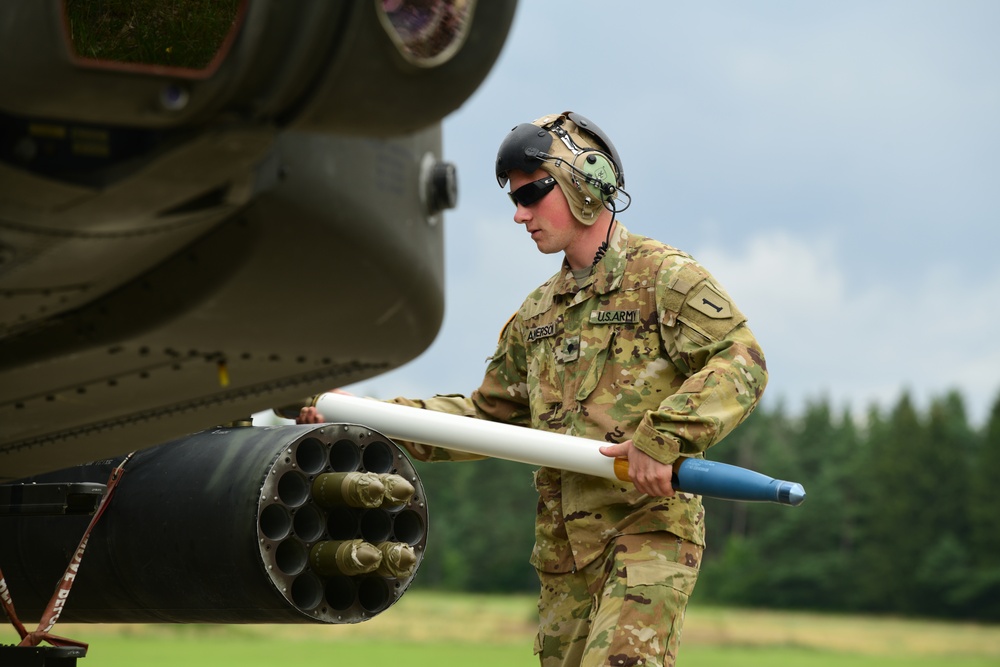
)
(640, 619)
(595, 350)
(677, 576)
(542, 380)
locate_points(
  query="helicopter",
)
(208, 209)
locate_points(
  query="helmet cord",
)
(607, 239)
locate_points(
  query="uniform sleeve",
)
(706, 337)
(454, 404)
(503, 396)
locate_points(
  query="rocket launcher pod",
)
(544, 448)
(226, 526)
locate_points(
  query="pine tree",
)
(898, 485)
(945, 564)
(807, 564)
(868, 590)
(981, 596)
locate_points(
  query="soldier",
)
(633, 343)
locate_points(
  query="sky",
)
(836, 166)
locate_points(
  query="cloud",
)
(867, 343)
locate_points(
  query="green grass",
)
(733, 656)
(166, 652)
(429, 628)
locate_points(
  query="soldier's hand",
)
(649, 475)
(309, 415)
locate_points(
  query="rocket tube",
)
(398, 559)
(345, 557)
(397, 490)
(544, 448)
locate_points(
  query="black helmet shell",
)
(520, 149)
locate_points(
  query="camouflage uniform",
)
(650, 348)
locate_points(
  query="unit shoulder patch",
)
(711, 303)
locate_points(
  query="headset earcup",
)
(600, 174)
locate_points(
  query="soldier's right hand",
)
(647, 474)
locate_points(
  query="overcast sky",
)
(835, 165)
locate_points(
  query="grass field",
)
(427, 628)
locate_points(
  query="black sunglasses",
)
(528, 194)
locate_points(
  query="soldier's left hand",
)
(309, 415)
(649, 475)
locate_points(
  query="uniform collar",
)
(607, 275)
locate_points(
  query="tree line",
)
(902, 516)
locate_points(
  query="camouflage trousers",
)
(624, 609)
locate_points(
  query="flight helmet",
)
(573, 150)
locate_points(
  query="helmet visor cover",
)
(520, 150)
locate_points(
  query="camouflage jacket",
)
(651, 348)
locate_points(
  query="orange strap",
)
(58, 601)
(8, 606)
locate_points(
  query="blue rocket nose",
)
(791, 493)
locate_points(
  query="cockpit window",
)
(187, 38)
